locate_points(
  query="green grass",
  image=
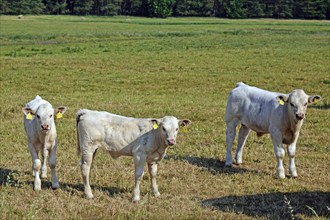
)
(184, 67)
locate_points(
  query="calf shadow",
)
(212, 165)
(274, 205)
(7, 177)
(78, 188)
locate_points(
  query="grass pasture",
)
(143, 67)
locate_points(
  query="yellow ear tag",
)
(315, 101)
(281, 102)
(155, 126)
(29, 116)
(59, 115)
(184, 129)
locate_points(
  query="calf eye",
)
(38, 116)
(305, 104)
(164, 129)
(51, 116)
(292, 104)
(177, 129)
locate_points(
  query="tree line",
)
(302, 9)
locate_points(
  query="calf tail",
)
(78, 115)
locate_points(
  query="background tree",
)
(194, 8)
(83, 7)
(235, 9)
(304, 9)
(55, 6)
(255, 9)
(219, 8)
(22, 7)
(160, 8)
(311, 9)
(283, 9)
(4, 7)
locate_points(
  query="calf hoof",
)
(294, 175)
(136, 199)
(37, 187)
(89, 196)
(55, 186)
(88, 193)
(281, 176)
(156, 194)
(228, 164)
(239, 161)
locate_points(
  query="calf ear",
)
(155, 123)
(282, 99)
(61, 109)
(314, 99)
(184, 122)
(26, 111)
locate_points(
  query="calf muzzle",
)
(171, 142)
(45, 127)
(300, 116)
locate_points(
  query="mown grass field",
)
(154, 67)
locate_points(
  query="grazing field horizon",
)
(149, 68)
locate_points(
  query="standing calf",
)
(281, 115)
(41, 134)
(126, 136)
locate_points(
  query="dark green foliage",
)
(311, 9)
(106, 7)
(194, 8)
(83, 7)
(255, 9)
(55, 6)
(4, 7)
(21, 7)
(302, 9)
(134, 7)
(283, 9)
(235, 9)
(160, 8)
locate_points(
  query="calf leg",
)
(152, 167)
(242, 136)
(279, 153)
(230, 137)
(36, 166)
(52, 164)
(292, 166)
(44, 162)
(139, 161)
(85, 165)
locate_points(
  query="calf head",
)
(44, 116)
(168, 126)
(297, 102)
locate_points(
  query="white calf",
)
(144, 139)
(262, 111)
(41, 134)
